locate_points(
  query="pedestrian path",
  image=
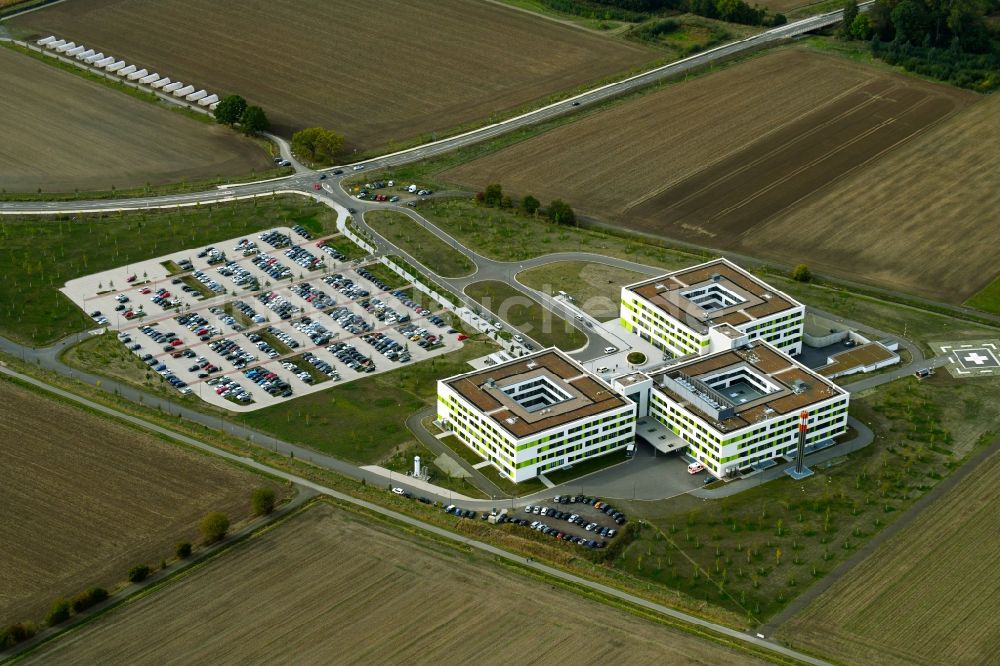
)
(548, 484)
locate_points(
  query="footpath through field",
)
(479, 545)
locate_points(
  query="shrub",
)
(214, 526)
(183, 550)
(560, 212)
(530, 204)
(138, 573)
(493, 195)
(317, 144)
(91, 597)
(801, 273)
(16, 633)
(262, 501)
(58, 613)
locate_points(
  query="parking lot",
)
(253, 321)
(581, 520)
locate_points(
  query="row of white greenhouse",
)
(130, 72)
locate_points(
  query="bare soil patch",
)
(327, 583)
(84, 499)
(375, 72)
(77, 134)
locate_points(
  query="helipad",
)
(972, 359)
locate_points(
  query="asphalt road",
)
(447, 534)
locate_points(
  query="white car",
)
(358, 167)
(518, 338)
(610, 350)
(398, 491)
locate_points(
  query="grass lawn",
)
(278, 345)
(558, 476)
(424, 246)
(402, 461)
(105, 355)
(596, 288)
(988, 298)
(919, 325)
(41, 254)
(506, 234)
(346, 247)
(203, 291)
(387, 275)
(526, 314)
(365, 420)
(755, 551)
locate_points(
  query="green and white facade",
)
(738, 408)
(535, 414)
(711, 307)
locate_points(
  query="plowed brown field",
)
(928, 596)
(373, 71)
(709, 161)
(77, 134)
(326, 587)
(84, 499)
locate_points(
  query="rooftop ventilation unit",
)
(660, 286)
(766, 295)
(799, 386)
(511, 420)
(716, 277)
(490, 383)
(531, 365)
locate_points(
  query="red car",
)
(462, 337)
(145, 290)
(317, 186)
(132, 278)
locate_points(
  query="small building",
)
(711, 307)
(535, 414)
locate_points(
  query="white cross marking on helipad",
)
(976, 358)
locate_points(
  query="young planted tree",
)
(530, 204)
(801, 273)
(493, 195)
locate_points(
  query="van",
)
(695, 467)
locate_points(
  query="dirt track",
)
(77, 134)
(375, 72)
(84, 499)
(326, 587)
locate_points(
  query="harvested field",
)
(377, 73)
(928, 226)
(711, 160)
(326, 582)
(85, 499)
(928, 596)
(78, 134)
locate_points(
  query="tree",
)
(317, 144)
(85, 600)
(254, 121)
(861, 27)
(262, 501)
(801, 273)
(58, 613)
(214, 526)
(530, 204)
(183, 550)
(850, 13)
(138, 573)
(560, 212)
(909, 21)
(230, 110)
(493, 195)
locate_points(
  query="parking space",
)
(290, 317)
(582, 520)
